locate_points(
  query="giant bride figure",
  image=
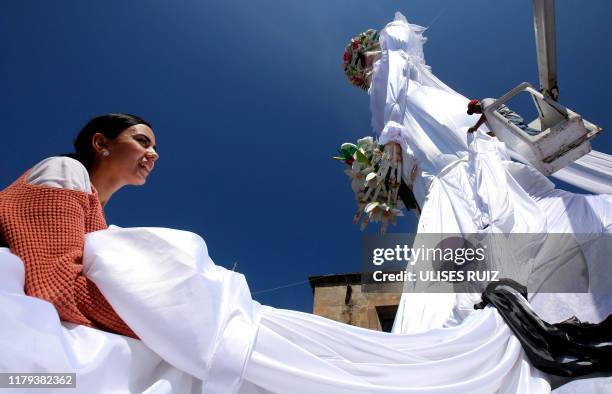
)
(467, 183)
(200, 331)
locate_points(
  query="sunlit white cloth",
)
(592, 172)
(201, 332)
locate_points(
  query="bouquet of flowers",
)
(375, 173)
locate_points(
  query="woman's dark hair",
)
(110, 126)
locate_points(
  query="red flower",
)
(355, 44)
(357, 81)
(347, 57)
(349, 161)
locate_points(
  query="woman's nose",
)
(152, 154)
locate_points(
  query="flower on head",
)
(356, 81)
(353, 56)
(347, 57)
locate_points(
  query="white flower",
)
(366, 143)
(371, 177)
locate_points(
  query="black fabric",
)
(407, 197)
(570, 348)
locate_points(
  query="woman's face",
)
(132, 154)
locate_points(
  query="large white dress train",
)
(201, 332)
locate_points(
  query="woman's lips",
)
(146, 167)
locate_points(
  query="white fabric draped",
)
(592, 172)
(201, 332)
(197, 316)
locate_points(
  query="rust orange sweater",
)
(46, 227)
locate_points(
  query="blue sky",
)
(248, 103)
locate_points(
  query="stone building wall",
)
(340, 297)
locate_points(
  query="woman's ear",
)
(99, 142)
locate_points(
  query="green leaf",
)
(361, 157)
(338, 158)
(348, 149)
(365, 141)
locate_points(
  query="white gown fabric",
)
(592, 172)
(202, 333)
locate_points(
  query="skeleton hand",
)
(395, 170)
(394, 180)
(386, 180)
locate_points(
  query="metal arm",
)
(546, 46)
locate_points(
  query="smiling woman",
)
(45, 214)
(116, 150)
